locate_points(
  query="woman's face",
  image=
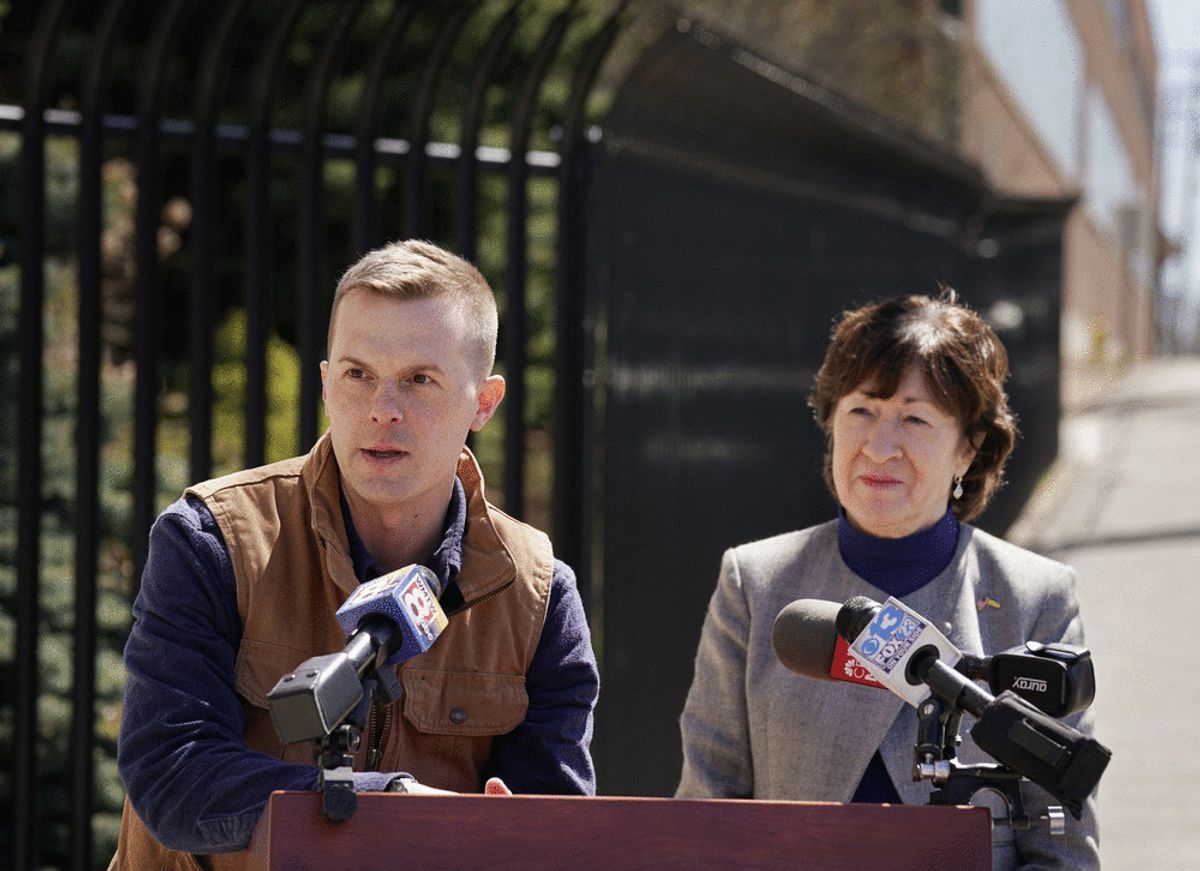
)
(895, 459)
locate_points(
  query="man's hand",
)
(409, 785)
(495, 786)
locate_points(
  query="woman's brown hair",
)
(964, 364)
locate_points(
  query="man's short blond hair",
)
(414, 269)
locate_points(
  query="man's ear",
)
(324, 373)
(488, 399)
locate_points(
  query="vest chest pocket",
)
(463, 703)
(260, 665)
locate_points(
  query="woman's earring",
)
(958, 486)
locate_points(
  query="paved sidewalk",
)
(1122, 506)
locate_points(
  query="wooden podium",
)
(531, 832)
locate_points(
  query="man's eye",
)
(356, 373)
(422, 378)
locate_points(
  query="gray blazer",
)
(753, 729)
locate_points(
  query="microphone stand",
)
(336, 749)
(935, 759)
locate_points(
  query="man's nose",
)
(386, 406)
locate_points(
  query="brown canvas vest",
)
(291, 558)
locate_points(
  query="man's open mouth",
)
(384, 453)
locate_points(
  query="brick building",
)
(1050, 98)
(1058, 99)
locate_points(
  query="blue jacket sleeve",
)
(549, 752)
(181, 756)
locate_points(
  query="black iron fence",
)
(293, 136)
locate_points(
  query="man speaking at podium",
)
(245, 573)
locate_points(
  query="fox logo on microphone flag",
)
(890, 635)
(891, 639)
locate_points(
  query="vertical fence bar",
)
(200, 321)
(30, 402)
(466, 217)
(312, 217)
(574, 324)
(517, 272)
(258, 236)
(88, 430)
(146, 294)
(364, 231)
(467, 182)
(416, 183)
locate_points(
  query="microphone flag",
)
(891, 640)
(405, 596)
(845, 667)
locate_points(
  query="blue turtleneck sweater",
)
(897, 566)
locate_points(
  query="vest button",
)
(458, 716)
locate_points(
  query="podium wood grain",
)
(536, 832)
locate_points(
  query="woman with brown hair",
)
(911, 399)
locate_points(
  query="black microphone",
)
(1058, 678)
(1060, 759)
(804, 637)
(387, 621)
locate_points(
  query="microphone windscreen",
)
(804, 636)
